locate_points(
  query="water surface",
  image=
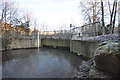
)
(42, 63)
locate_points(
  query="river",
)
(39, 63)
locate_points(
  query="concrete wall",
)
(85, 48)
(22, 43)
(55, 42)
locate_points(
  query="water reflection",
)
(42, 63)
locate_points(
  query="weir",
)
(84, 45)
(56, 43)
(85, 48)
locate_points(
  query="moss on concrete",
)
(108, 47)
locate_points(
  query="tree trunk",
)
(114, 17)
(103, 24)
(5, 18)
(109, 7)
(111, 17)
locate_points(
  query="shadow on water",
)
(42, 63)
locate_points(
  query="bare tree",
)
(85, 11)
(4, 8)
(26, 19)
(103, 24)
(94, 11)
(63, 28)
(90, 11)
(113, 13)
(8, 12)
(8, 15)
(44, 27)
(35, 23)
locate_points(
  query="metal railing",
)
(87, 30)
(61, 34)
(45, 34)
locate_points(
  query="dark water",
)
(42, 63)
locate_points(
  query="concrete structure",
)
(21, 44)
(56, 43)
(85, 48)
(87, 30)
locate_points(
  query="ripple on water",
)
(42, 63)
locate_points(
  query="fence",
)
(61, 34)
(87, 30)
(64, 34)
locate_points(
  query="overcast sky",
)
(54, 13)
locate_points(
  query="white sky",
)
(54, 13)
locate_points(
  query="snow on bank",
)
(99, 38)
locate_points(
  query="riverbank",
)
(88, 70)
(20, 43)
(100, 38)
(104, 64)
(86, 48)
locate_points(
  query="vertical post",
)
(70, 38)
(82, 32)
(38, 40)
(70, 31)
(94, 31)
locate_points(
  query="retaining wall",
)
(21, 44)
(85, 48)
(56, 43)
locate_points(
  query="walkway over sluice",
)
(85, 46)
(82, 40)
(93, 31)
